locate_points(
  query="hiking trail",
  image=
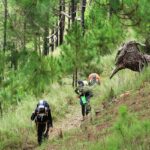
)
(72, 120)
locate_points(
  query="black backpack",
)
(42, 114)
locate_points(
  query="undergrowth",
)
(16, 122)
(127, 133)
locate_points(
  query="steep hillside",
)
(109, 129)
(121, 124)
(47, 46)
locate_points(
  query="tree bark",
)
(82, 15)
(113, 7)
(76, 76)
(57, 39)
(39, 45)
(62, 21)
(110, 9)
(46, 34)
(73, 15)
(35, 43)
(73, 10)
(1, 110)
(73, 79)
(46, 41)
(5, 25)
(52, 41)
(24, 34)
(69, 12)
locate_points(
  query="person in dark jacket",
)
(43, 119)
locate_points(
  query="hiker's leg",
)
(41, 129)
(83, 110)
(47, 130)
(88, 108)
(39, 134)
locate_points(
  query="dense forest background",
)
(84, 31)
(44, 41)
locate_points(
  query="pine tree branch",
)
(133, 24)
(101, 4)
(65, 14)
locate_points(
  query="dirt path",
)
(72, 120)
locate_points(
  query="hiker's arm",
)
(91, 94)
(50, 118)
(34, 114)
(77, 91)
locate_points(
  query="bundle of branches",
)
(130, 56)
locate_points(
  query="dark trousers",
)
(84, 110)
(42, 131)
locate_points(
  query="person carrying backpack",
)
(85, 94)
(93, 79)
(43, 120)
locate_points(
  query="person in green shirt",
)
(85, 93)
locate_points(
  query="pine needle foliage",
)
(40, 71)
(106, 32)
(76, 53)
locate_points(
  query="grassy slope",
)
(113, 129)
(17, 132)
(16, 129)
(103, 132)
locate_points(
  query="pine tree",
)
(5, 24)
(105, 32)
(75, 52)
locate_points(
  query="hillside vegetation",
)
(46, 46)
(113, 117)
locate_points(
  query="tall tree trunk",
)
(73, 15)
(76, 76)
(69, 12)
(14, 57)
(1, 110)
(52, 42)
(82, 15)
(46, 41)
(73, 79)
(24, 35)
(76, 55)
(62, 20)
(73, 10)
(114, 6)
(46, 34)
(39, 45)
(57, 39)
(35, 43)
(110, 9)
(5, 25)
